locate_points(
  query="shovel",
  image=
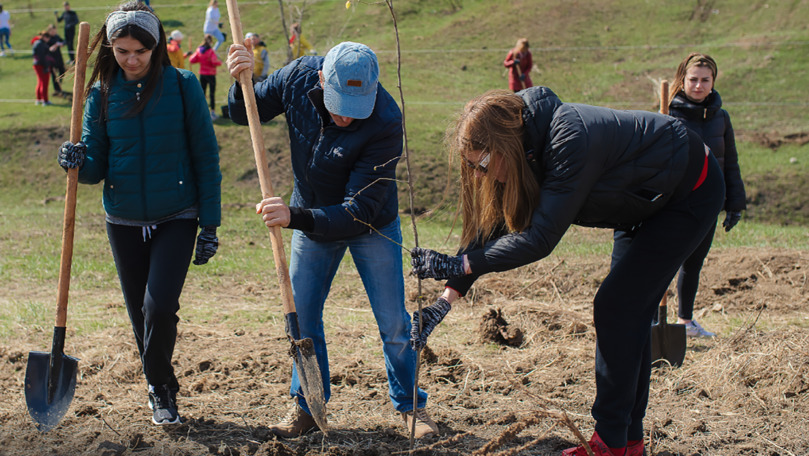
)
(50, 377)
(668, 340)
(302, 350)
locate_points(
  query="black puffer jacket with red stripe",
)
(597, 167)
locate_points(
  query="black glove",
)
(522, 77)
(731, 219)
(431, 317)
(207, 243)
(71, 155)
(516, 62)
(431, 264)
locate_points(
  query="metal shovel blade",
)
(303, 352)
(668, 341)
(48, 392)
(311, 381)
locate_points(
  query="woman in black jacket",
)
(695, 102)
(42, 65)
(530, 167)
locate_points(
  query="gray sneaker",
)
(163, 402)
(694, 329)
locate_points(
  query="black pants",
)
(57, 70)
(152, 269)
(70, 33)
(687, 277)
(628, 298)
(209, 80)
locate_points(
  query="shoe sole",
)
(166, 423)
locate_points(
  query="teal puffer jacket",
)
(160, 161)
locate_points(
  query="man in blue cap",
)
(345, 135)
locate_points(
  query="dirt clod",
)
(494, 328)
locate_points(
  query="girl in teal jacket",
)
(148, 136)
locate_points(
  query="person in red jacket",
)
(208, 61)
(519, 63)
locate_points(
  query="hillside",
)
(745, 392)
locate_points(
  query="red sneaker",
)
(635, 448)
(599, 449)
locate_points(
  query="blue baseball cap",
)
(350, 79)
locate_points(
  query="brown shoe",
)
(425, 426)
(296, 423)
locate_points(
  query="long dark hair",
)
(106, 67)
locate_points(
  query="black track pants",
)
(152, 273)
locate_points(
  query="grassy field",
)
(605, 53)
(611, 53)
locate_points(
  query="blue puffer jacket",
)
(713, 125)
(160, 161)
(596, 167)
(341, 174)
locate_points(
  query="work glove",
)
(516, 62)
(731, 219)
(71, 155)
(431, 264)
(431, 316)
(522, 77)
(207, 243)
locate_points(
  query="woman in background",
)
(208, 61)
(519, 63)
(42, 66)
(212, 24)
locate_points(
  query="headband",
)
(143, 19)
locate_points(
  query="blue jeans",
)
(312, 267)
(5, 33)
(220, 38)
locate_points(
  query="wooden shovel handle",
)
(72, 177)
(664, 109)
(664, 97)
(246, 81)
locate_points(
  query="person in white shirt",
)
(212, 24)
(5, 31)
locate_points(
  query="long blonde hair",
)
(694, 59)
(520, 47)
(492, 123)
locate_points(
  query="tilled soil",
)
(509, 372)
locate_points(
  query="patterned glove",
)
(431, 264)
(431, 317)
(71, 155)
(731, 219)
(207, 243)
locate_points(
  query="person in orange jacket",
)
(208, 61)
(175, 49)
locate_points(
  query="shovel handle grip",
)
(246, 82)
(69, 221)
